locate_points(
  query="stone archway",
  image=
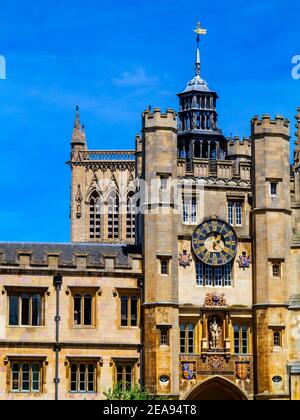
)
(216, 389)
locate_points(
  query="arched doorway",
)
(216, 389)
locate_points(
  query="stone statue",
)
(215, 330)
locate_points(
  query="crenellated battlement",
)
(156, 119)
(237, 146)
(267, 126)
(297, 143)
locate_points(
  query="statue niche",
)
(216, 341)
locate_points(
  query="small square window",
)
(273, 188)
(276, 270)
(164, 267)
(164, 337)
(277, 339)
(163, 182)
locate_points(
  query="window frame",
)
(83, 293)
(124, 364)
(274, 184)
(113, 216)
(235, 212)
(206, 275)
(279, 332)
(20, 294)
(78, 364)
(164, 267)
(239, 338)
(164, 336)
(276, 266)
(95, 203)
(20, 380)
(164, 182)
(189, 327)
(189, 210)
(130, 295)
(131, 216)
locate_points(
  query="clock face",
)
(215, 242)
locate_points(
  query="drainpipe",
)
(57, 283)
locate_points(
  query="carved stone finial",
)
(78, 136)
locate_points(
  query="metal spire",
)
(199, 31)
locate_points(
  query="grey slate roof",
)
(67, 251)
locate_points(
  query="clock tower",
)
(198, 132)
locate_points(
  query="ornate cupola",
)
(198, 132)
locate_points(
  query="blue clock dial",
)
(215, 242)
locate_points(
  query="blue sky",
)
(114, 59)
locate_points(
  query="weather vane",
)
(200, 31)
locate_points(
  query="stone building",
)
(182, 273)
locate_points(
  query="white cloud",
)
(136, 78)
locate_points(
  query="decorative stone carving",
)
(244, 261)
(216, 363)
(162, 316)
(79, 200)
(216, 181)
(242, 371)
(185, 259)
(188, 370)
(215, 299)
(214, 330)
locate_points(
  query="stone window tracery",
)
(95, 216)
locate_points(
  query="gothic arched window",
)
(130, 219)
(113, 216)
(95, 216)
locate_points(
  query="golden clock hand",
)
(219, 247)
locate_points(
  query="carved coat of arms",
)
(242, 371)
(185, 259)
(244, 261)
(216, 363)
(215, 299)
(188, 371)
